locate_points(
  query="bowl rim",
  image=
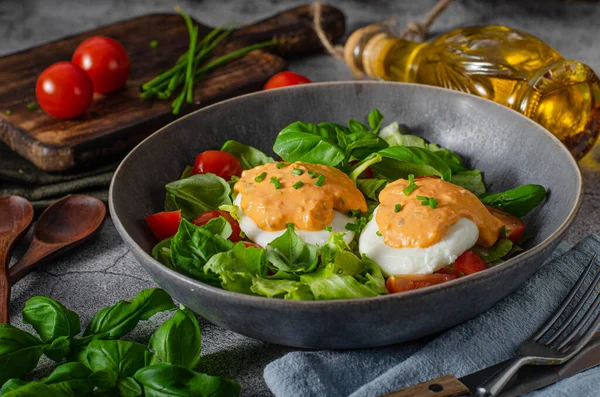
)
(259, 301)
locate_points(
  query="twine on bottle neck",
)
(415, 31)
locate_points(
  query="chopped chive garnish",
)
(397, 208)
(280, 164)
(424, 203)
(351, 226)
(432, 203)
(353, 213)
(411, 185)
(297, 171)
(32, 106)
(422, 198)
(320, 180)
(154, 44)
(275, 182)
(329, 228)
(260, 177)
(298, 185)
(378, 233)
(8, 112)
(313, 175)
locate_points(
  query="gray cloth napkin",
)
(490, 338)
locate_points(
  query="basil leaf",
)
(166, 380)
(371, 188)
(310, 143)
(33, 389)
(162, 253)
(496, 252)
(59, 349)
(197, 194)
(12, 384)
(470, 180)
(249, 157)
(219, 227)
(178, 341)
(290, 253)
(50, 319)
(237, 267)
(187, 172)
(19, 352)
(363, 144)
(120, 356)
(285, 289)
(128, 387)
(375, 119)
(71, 379)
(192, 246)
(400, 161)
(104, 379)
(118, 320)
(518, 201)
(357, 127)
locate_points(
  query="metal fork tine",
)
(591, 311)
(569, 321)
(566, 301)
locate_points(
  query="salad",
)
(346, 212)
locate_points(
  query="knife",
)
(529, 378)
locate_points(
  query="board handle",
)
(293, 29)
(444, 386)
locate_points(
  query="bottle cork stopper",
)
(355, 44)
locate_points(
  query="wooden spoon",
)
(16, 214)
(63, 225)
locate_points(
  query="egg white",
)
(318, 237)
(396, 261)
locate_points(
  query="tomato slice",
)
(450, 269)
(285, 79)
(410, 282)
(251, 244)
(64, 90)
(164, 224)
(514, 226)
(216, 162)
(203, 219)
(469, 263)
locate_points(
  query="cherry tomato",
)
(251, 244)
(285, 79)
(415, 281)
(203, 219)
(164, 224)
(64, 90)
(469, 263)
(366, 174)
(514, 226)
(105, 60)
(216, 162)
(450, 269)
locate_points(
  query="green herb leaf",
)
(236, 267)
(275, 182)
(154, 44)
(284, 289)
(249, 156)
(298, 185)
(197, 194)
(297, 171)
(261, 177)
(309, 143)
(50, 319)
(162, 253)
(320, 180)
(290, 253)
(166, 380)
(400, 161)
(19, 352)
(70, 379)
(470, 180)
(59, 349)
(375, 120)
(118, 320)
(123, 357)
(371, 188)
(128, 387)
(496, 252)
(104, 379)
(178, 341)
(33, 389)
(518, 201)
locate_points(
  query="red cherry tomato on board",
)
(366, 174)
(409, 282)
(203, 219)
(216, 162)
(469, 263)
(164, 224)
(64, 90)
(105, 60)
(514, 226)
(285, 79)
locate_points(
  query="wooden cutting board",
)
(118, 121)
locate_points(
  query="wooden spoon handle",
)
(444, 386)
(293, 29)
(4, 282)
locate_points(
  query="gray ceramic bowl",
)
(509, 148)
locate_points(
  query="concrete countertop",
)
(103, 271)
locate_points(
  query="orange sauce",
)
(419, 226)
(308, 207)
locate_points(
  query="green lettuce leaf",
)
(237, 267)
(197, 194)
(285, 289)
(289, 253)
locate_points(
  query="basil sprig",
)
(518, 201)
(100, 364)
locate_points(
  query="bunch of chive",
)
(193, 65)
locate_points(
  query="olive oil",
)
(498, 63)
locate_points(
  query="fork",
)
(558, 345)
